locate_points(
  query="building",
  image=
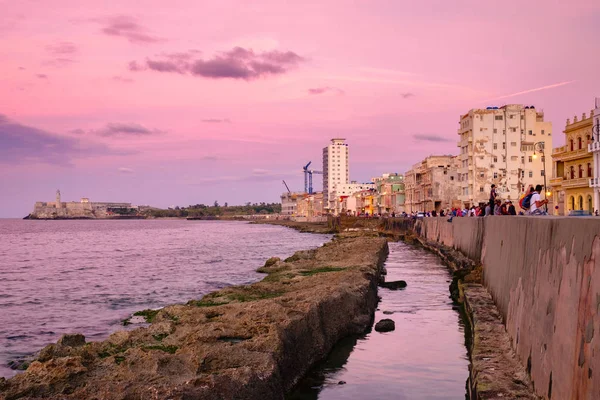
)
(343, 191)
(289, 203)
(81, 209)
(390, 193)
(572, 168)
(309, 207)
(361, 203)
(499, 145)
(594, 148)
(335, 170)
(432, 184)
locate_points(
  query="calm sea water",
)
(61, 277)
(424, 358)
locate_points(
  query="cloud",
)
(122, 79)
(126, 129)
(127, 27)
(76, 131)
(217, 120)
(554, 85)
(22, 68)
(430, 138)
(22, 144)
(260, 172)
(125, 170)
(42, 76)
(321, 90)
(407, 95)
(238, 63)
(62, 48)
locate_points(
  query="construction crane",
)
(286, 186)
(308, 173)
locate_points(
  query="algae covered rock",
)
(74, 340)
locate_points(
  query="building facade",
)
(572, 169)
(594, 148)
(432, 184)
(289, 203)
(343, 191)
(335, 170)
(391, 194)
(499, 145)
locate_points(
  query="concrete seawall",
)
(544, 276)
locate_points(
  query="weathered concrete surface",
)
(544, 276)
(248, 342)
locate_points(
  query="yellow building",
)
(573, 168)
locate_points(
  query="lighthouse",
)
(58, 203)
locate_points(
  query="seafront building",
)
(81, 209)
(432, 184)
(572, 168)
(335, 170)
(289, 203)
(391, 194)
(343, 191)
(594, 148)
(499, 145)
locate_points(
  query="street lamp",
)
(539, 147)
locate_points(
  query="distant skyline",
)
(185, 102)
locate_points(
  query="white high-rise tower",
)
(335, 169)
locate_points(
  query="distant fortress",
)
(84, 209)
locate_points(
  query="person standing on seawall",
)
(536, 202)
(492, 199)
(511, 208)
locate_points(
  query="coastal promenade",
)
(242, 342)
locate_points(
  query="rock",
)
(383, 271)
(341, 382)
(385, 325)
(388, 312)
(394, 285)
(74, 340)
(272, 261)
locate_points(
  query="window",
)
(513, 129)
(530, 132)
(514, 144)
(543, 158)
(504, 131)
(580, 171)
(589, 170)
(522, 159)
(543, 132)
(503, 145)
(480, 188)
(579, 142)
(495, 146)
(511, 116)
(495, 159)
(522, 174)
(522, 116)
(542, 172)
(503, 158)
(495, 130)
(481, 175)
(572, 172)
(531, 174)
(571, 141)
(530, 159)
(495, 175)
(498, 117)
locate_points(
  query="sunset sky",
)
(183, 102)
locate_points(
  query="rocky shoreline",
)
(243, 342)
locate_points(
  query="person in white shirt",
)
(536, 203)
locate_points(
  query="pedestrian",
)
(536, 202)
(488, 210)
(511, 208)
(493, 196)
(497, 208)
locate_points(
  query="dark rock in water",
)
(383, 271)
(75, 340)
(341, 382)
(388, 312)
(385, 325)
(394, 285)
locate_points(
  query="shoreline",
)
(253, 341)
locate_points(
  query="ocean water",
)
(424, 358)
(60, 277)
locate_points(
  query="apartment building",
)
(594, 148)
(432, 184)
(335, 170)
(505, 146)
(391, 194)
(572, 168)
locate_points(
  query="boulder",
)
(394, 285)
(385, 325)
(74, 340)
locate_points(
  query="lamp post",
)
(539, 147)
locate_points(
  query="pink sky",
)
(185, 102)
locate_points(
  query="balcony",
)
(568, 155)
(556, 181)
(595, 182)
(594, 146)
(575, 183)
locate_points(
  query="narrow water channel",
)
(424, 358)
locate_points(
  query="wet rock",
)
(383, 271)
(341, 382)
(74, 340)
(388, 312)
(385, 325)
(271, 261)
(393, 285)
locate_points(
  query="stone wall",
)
(544, 276)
